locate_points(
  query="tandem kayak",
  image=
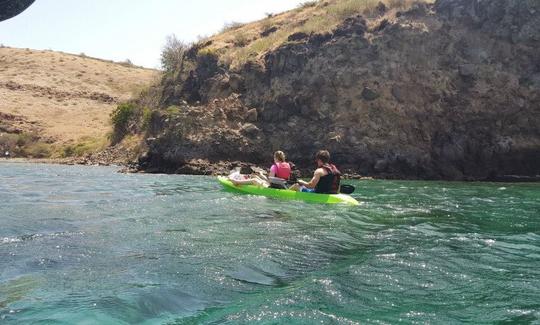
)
(287, 194)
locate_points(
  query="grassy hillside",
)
(57, 104)
(238, 43)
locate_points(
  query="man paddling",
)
(326, 177)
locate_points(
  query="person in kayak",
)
(248, 176)
(326, 178)
(280, 168)
(280, 172)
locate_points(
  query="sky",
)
(127, 29)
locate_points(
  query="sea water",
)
(87, 245)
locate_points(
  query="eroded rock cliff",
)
(449, 90)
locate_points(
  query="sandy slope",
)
(64, 97)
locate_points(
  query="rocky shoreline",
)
(205, 168)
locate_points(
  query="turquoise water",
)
(88, 245)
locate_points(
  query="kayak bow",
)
(287, 194)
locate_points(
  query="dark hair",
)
(323, 155)
(245, 170)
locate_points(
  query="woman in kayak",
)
(280, 170)
(326, 177)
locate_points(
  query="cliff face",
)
(443, 91)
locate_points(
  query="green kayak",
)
(288, 195)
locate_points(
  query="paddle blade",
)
(347, 189)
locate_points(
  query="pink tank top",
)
(281, 170)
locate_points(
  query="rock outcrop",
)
(443, 91)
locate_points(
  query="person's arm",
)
(272, 171)
(314, 181)
(262, 177)
(248, 181)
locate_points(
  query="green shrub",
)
(347, 8)
(146, 117)
(38, 150)
(172, 110)
(240, 39)
(68, 151)
(7, 142)
(120, 119)
(207, 51)
(23, 139)
(85, 146)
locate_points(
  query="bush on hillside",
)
(233, 25)
(308, 4)
(8, 141)
(240, 39)
(23, 139)
(86, 145)
(38, 150)
(172, 54)
(121, 118)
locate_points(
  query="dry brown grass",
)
(55, 93)
(309, 17)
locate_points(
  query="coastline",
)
(56, 161)
(203, 167)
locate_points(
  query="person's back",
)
(326, 177)
(329, 183)
(280, 168)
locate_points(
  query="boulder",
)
(250, 129)
(467, 70)
(399, 93)
(236, 82)
(369, 94)
(352, 26)
(269, 31)
(251, 115)
(381, 165)
(381, 8)
(418, 9)
(382, 25)
(297, 37)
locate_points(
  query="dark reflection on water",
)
(85, 244)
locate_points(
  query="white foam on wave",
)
(10, 240)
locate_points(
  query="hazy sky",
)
(126, 29)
